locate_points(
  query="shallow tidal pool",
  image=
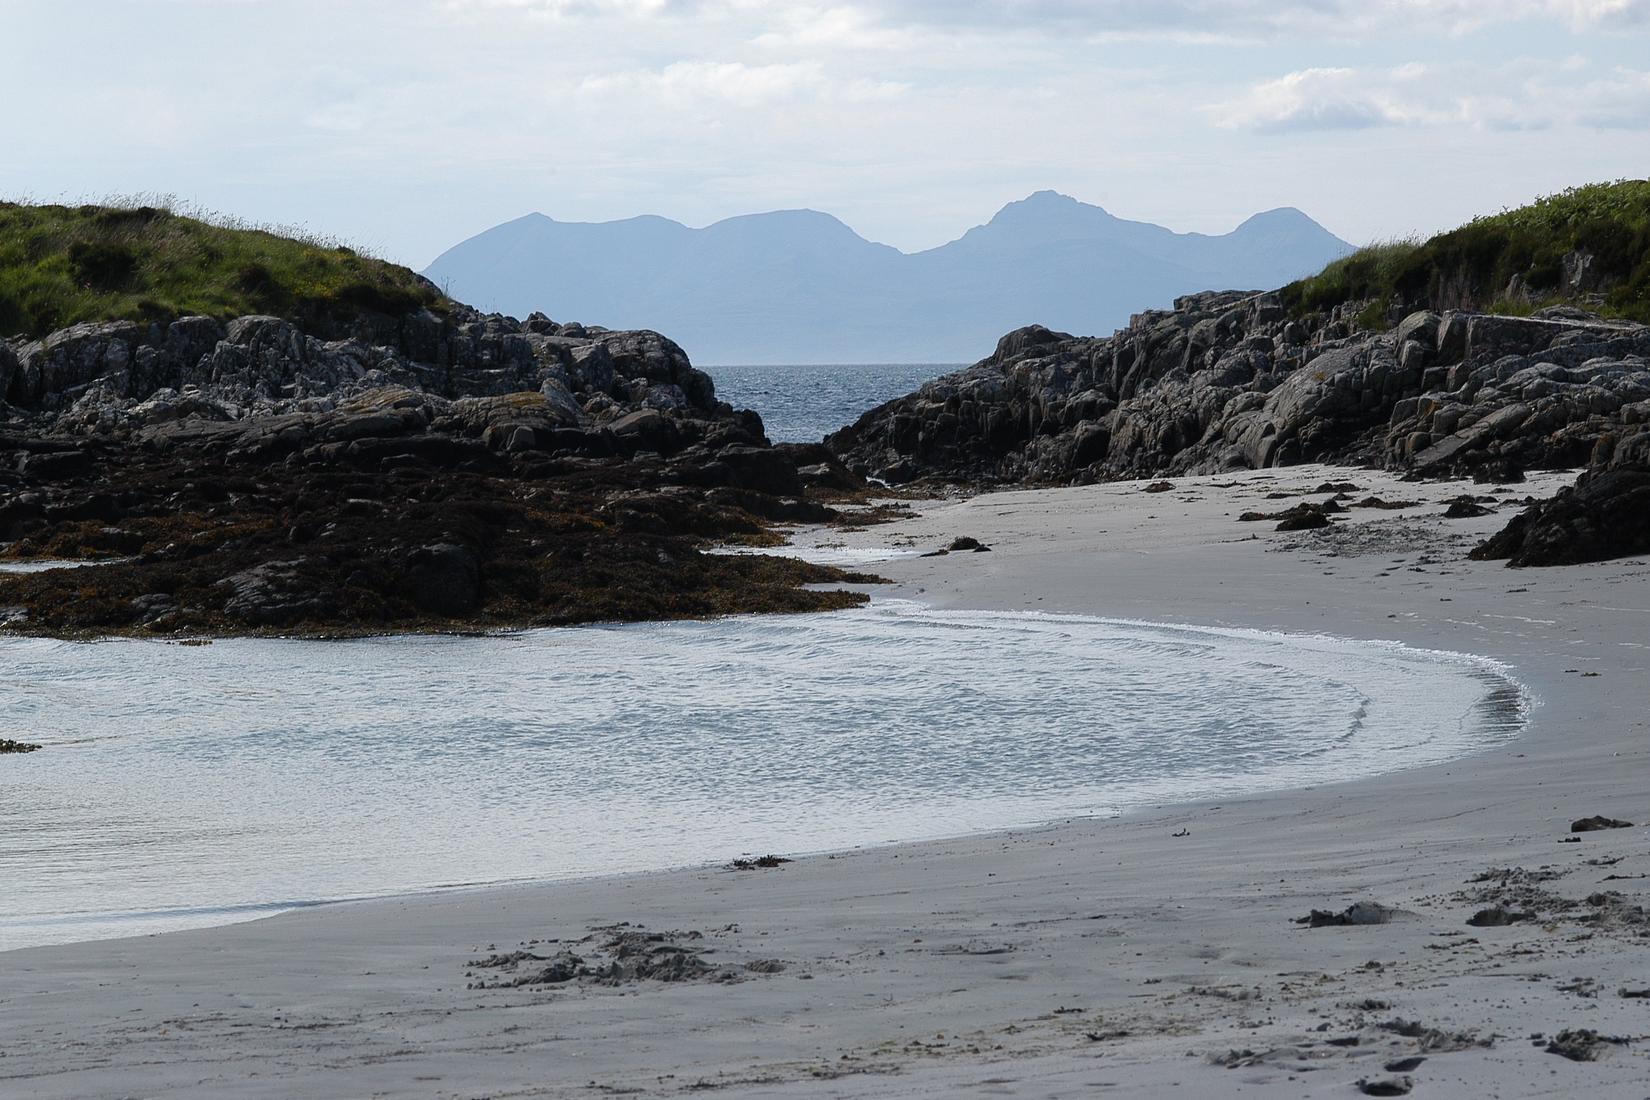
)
(190, 785)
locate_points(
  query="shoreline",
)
(1499, 716)
(1195, 955)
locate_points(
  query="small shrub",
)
(102, 266)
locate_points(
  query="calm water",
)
(805, 404)
(184, 786)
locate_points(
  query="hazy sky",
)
(407, 125)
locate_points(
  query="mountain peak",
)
(1048, 204)
(1282, 219)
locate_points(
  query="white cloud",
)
(690, 83)
(1525, 94)
(1173, 18)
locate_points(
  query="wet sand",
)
(1152, 955)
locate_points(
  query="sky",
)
(405, 126)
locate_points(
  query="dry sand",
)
(1153, 955)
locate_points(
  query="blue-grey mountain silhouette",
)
(798, 286)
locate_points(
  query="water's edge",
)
(1499, 712)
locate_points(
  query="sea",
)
(803, 404)
(182, 786)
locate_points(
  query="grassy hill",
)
(1474, 266)
(60, 265)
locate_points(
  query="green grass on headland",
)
(1473, 266)
(61, 265)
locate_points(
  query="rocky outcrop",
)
(1606, 514)
(1229, 380)
(120, 376)
(412, 474)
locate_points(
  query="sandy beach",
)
(1155, 954)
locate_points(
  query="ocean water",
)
(805, 404)
(184, 786)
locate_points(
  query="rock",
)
(1358, 913)
(1598, 823)
(272, 594)
(1304, 517)
(1466, 508)
(1220, 383)
(1606, 514)
(1498, 918)
(8, 746)
(1583, 1045)
(965, 543)
(1397, 1085)
(444, 579)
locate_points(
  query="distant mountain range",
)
(798, 286)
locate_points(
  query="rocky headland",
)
(1248, 380)
(433, 469)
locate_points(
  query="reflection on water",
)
(195, 785)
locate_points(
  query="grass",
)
(138, 261)
(1472, 267)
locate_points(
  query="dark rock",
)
(1498, 918)
(1307, 517)
(1386, 1086)
(1597, 823)
(966, 543)
(1362, 912)
(1221, 383)
(1583, 1044)
(1466, 508)
(1606, 514)
(444, 579)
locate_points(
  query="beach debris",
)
(1239, 1059)
(7, 745)
(1304, 516)
(1398, 1085)
(1466, 507)
(760, 863)
(975, 947)
(1107, 1036)
(1158, 487)
(1597, 823)
(1431, 1040)
(1359, 912)
(1633, 994)
(615, 955)
(962, 544)
(1183, 832)
(1234, 993)
(1307, 519)
(1498, 917)
(1583, 1044)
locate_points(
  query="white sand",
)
(1170, 949)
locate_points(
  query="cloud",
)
(1323, 99)
(1255, 17)
(1172, 18)
(688, 83)
(1525, 94)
